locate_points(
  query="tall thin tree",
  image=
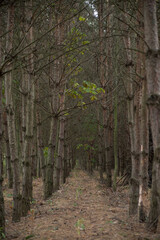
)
(153, 100)
(28, 143)
(144, 123)
(2, 217)
(11, 117)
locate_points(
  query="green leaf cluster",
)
(85, 146)
(81, 19)
(78, 90)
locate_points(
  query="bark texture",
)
(62, 85)
(103, 80)
(40, 144)
(144, 123)
(134, 125)
(11, 119)
(2, 216)
(29, 140)
(53, 83)
(100, 159)
(153, 100)
(8, 156)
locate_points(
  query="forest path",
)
(81, 209)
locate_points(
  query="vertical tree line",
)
(79, 86)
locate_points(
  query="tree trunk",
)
(39, 137)
(29, 140)
(24, 27)
(49, 187)
(54, 76)
(153, 86)
(8, 156)
(11, 121)
(2, 214)
(100, 159)
(60, 158)
(134, 125)
(144, 124)
(103, 82)
(115, 142)
(62, 85)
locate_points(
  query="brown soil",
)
(81, 209)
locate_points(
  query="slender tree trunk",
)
(39, 137)
(134, 125)
(66, 152)
(134, 182)
(8, 156)
(109, 89)
(62, 86)
(60, 158)
(153, 86)
(29, 139)
(24, 26)
(49, 188)
(115, 120)
(34, 155)
(65, 157)
(2, 214)
(144, 124)
(50, 185)
(100, 159)
(11, 121)
(115, 143)
(143, 188)
(103, 82)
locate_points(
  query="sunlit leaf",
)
(81, 19)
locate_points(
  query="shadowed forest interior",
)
(80, 119)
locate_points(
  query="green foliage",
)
(81, 19)
(75, 39)
(66, 114)
(86, 147)
(2, 235)
(77, 91)
(45, 152)
(93, 98)
(9, 195)
(85, 42)
(74, 94)
(3, 100)
(109, 221)
(80, 225)
(75, 45)
(30, 236)
(33, 201)
(79, 146)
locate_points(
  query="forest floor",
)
(82, 209)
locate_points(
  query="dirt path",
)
(82, 209)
